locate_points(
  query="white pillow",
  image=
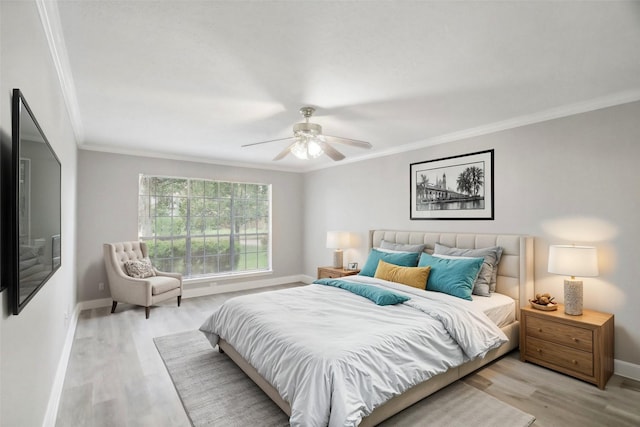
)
(392, 251)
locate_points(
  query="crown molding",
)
(515, 122)
(50, 19)
(182, 158)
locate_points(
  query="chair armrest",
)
(131, 290)
(168, 274)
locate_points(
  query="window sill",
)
(224, 277)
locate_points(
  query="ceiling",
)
(198, 79)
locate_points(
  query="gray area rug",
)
(215, 392)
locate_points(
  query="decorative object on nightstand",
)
(338, 240)
(544, 302)
(334, 273)
(571, 260)
(580, 346)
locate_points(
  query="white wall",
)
(108, 210)
(570, 180)
(31, 343)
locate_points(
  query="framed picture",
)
(352, 266)
(458, 187)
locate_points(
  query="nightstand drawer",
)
(328, 275)
(571, 336)
(565, 357)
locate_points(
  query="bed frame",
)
(515, 279)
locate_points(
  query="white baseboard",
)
(626, 369)
(242, 286)
(202, 290)
(307, 279)
(61, 371)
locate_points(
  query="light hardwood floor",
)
(115, 376)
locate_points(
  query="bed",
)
(514, 280)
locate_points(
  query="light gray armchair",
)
(144, 292)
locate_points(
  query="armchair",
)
(144, 292)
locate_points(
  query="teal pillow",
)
(486, 281)
(451, 276)
(403, 259)
(378, 295)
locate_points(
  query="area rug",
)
(215, 392)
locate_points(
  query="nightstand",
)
(334, 273)
(580, 346)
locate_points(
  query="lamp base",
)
(337, 258)
(573, 297)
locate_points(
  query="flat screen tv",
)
(32, 208)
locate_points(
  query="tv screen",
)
(34, 207)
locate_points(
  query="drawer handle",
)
(575, 339)
(575, 362)
(539, 329)
(539, 350)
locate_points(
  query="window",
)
(205, 228)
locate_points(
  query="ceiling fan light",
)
(307, 148)
(299, 150)
(314, 149)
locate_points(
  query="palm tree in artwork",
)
(471, 180)
(424, 183)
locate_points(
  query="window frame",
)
(148, 215)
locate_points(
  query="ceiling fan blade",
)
(331, 152)
(265, 142)
(284, 152)
(349, 141)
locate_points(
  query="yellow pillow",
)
(412, 276)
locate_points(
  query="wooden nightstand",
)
(334, 273)
(580, 346)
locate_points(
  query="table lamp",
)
(338, 240)
(571, 260)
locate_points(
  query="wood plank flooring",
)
(115, 376)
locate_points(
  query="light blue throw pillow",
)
(403, 259)
(378, 295)
(451, 276)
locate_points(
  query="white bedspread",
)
(336, 356)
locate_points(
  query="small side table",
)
(334, 273)
(580, 346)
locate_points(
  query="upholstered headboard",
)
(515, 271)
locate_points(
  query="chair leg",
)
(146, 311)
(113, 306)
(179, 299)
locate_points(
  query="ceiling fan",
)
(309, 142)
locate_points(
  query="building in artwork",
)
(438, 191)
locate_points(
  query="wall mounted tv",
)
(31, 208)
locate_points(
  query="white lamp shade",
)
(568, 260)
(338, 239)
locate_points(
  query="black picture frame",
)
(31, 207)
(453, 188)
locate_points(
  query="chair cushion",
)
(162, 284)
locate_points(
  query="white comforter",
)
(336, 356)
